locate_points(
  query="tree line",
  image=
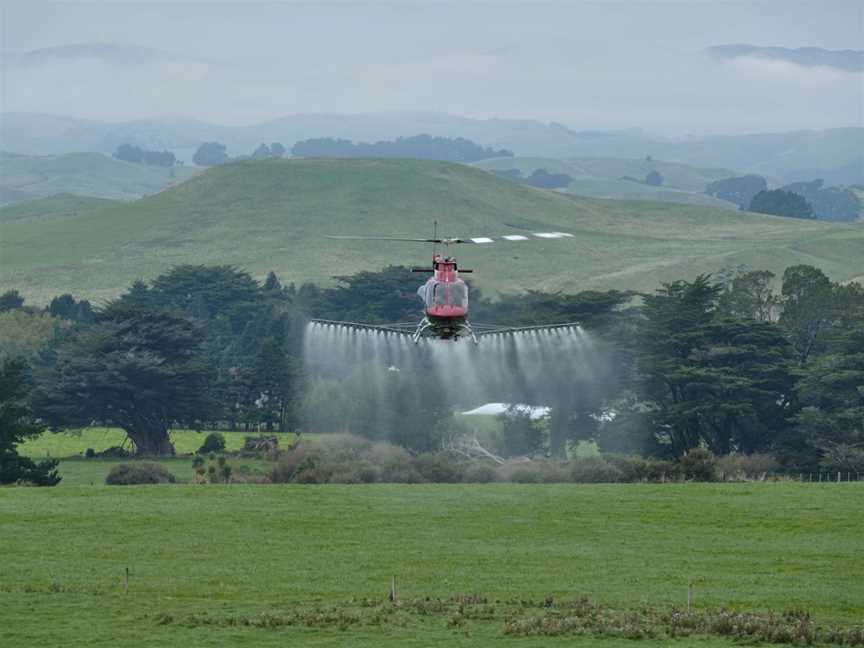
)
(811, 200)
(418, 147)
(138, 155)
(725, 363)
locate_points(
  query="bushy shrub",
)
(139, 473)
(439, 468)
(283, 471)
(698, 464)
(533, 472)
(89, 453)
(360, 472)
(635, 469)
(594, 470)
(731, 467)
(213, 442)
(114, 452)
(479, 473)
(658, 470)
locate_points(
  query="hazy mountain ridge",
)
(833, 155)
(846, 60)
(108, 53)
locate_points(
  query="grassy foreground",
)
(312, 564)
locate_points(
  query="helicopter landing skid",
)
(427, 328)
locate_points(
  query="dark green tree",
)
(781, 203)
(262, 152)
(139, 370)
(837, 204)
(210, 154)
(129, 153)
(68, 308)
(16, 425)
(830, 393)
(272, 283)
(808, 309)
(750, 296)
(705, 379)
(654, 178)
(10, 300)
(389, 295)
(739, 189)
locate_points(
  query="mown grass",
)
(200, 556)
(273, 215)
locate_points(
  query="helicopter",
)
(445, 295)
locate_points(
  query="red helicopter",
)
(445, 295)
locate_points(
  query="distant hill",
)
(89, 174)
(416, 147)
(53, 207)
(602, 178)
(833, 155)
(109, 53)
(273, 215)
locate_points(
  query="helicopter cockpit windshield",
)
(445, 293)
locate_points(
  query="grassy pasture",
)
(204, 560)
(601, 178)
(78, 471)
(72, 444)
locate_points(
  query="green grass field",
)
(273, 215)
(313, 563)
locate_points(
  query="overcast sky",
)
(586, 64)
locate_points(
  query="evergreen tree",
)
(705, 379)
(16, 425)
(781, 203)
(210, 154)
(10, 300)
(139, 370)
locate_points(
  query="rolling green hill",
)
(273, 215)
(24, 177)
(602, 178)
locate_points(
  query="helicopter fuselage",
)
(445, 302)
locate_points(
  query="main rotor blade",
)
(478, 240)
(386, 238)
